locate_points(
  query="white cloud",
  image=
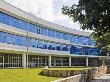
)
(40, 8)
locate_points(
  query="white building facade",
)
(28, 41)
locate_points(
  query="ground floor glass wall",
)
(60, 61)
(94, 61)
(10, 60)
(1, 61)
(78, 61)
(37, 61)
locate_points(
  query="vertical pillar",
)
(69, 61)
(24, 60)
(87, 61)
(54, 62)
(49, 61)
(103, 61)
(3, 60)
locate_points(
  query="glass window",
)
(6, 19)
(17, 40)
(9, 39)
(45, 45)
(51, 33)
(44, 31)
(58, 35)
(33, 43)
(53, 46)
(2, 37)
(1, 17)
(24, 25)
(74, 39)
(65, 36)
(32, 28)
(80, 40)
(58, 47)
(40, 44)
(23, 41)
(49, 45)
(38, 30)
(76, 50)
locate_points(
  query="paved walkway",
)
(104, 78)
(107, 76)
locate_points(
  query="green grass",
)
(24, 75)
(80, 68)
(29, 75)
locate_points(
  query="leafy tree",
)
(92, 15)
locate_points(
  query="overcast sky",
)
(49, 10)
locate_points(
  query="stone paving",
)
(107, 76)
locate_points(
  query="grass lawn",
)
(29, 75)
(24, 75)
(80, 68)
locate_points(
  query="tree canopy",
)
(92, 15)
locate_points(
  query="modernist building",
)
(28, 41)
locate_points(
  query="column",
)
(3, 60)
(87, 61)
(24, 60)
(54, 62)
(49, 64)
(69, 61)
(103, 61)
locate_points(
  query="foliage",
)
(92, 15)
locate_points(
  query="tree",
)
(92, 15)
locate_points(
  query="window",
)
(40, 44)
(32, 28)
(32, 43)
(2, 37)
(74, 39)
(80, 40)
(38, 30)
(49, 45)
(58, 35)
(65, 36)
(58, 47)
(51, 33)
(44, 31)
(24, 25)
(9, 39)
(45, 45)
(1, 17)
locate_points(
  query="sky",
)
(49, 10)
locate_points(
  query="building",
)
(28, 41)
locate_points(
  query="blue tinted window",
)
(40, 44)
(45, 45)
(65, 36)
(43, 31)
(9, 38)
(1, 17)
(51, 33)
(24, 25)
(38, 30)
(2, 37)
(32, 43)
(32, 28)
(58, 47)
(53, 46)
(58, 35)
(80, 40)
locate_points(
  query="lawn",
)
(80, 68)
(24, 75)
(29, 75)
